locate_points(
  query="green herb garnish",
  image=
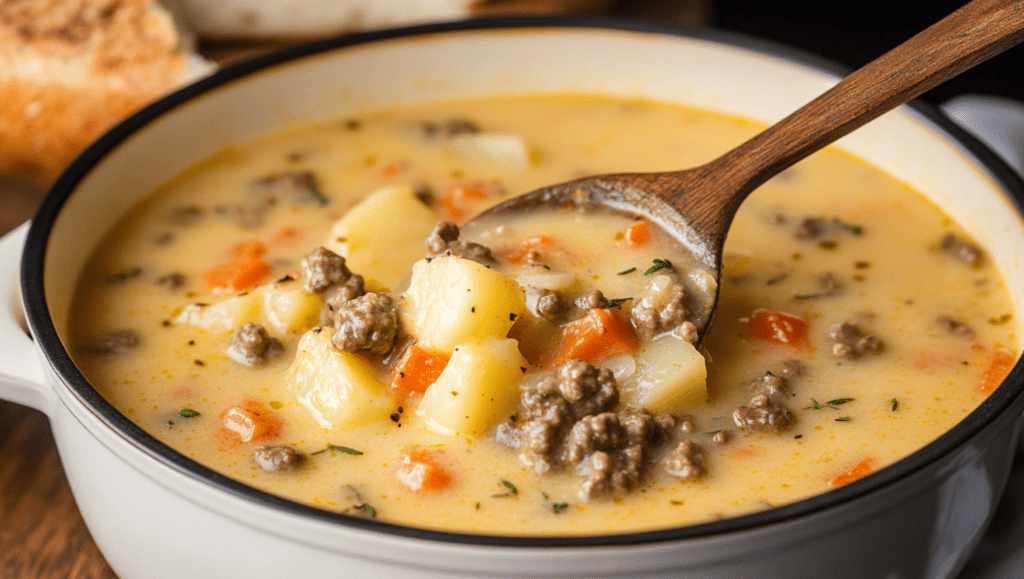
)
(833, 404)
(615, 302)
(187, 413)
(123, 276)
(843, 419)
(368, 510)
(344, 449)
(814, 295)
(626, 271)
(558, 507)
(509, 486)
(659, 264)
(320, 197)
(894, 404)
(854, 229)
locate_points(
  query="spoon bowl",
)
(697, 205)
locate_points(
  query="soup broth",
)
(856, 323)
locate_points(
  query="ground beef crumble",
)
(547, 304)
(850, 342)
(323, 268)
(251, 345)
(444, 238)
(762, 414)
(685, 461)
(567, 422)
(277, 458)
(368, 323)
(660, 307)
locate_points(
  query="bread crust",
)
(70, 69)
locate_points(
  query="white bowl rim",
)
(1000, 408)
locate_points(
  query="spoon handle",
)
(965, 38)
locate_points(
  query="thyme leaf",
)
(832, 404)
(626, 271)
(344, 449)
(510, 486)
(659, 264)
(814, 295)
(613, 303)
(894, 404)
(843, 419)
(188, 413)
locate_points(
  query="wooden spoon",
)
(698, 205)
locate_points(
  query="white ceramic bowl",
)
(155, 513)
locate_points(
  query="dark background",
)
(854, 33)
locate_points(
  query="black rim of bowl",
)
(992, 411)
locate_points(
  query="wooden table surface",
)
(42, 534)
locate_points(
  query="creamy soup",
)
(304, 314)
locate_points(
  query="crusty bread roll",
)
(70, 69)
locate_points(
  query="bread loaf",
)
(70, 69)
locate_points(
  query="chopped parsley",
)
(894, 404)
(188, 413)
(626, 271)
(557, 507)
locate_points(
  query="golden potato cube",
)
(291, 309)
(454, 301)
(670, 374)
(225, 315)
(478, 387)
(382, 236)
(340, 389)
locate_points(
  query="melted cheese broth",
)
(892, 278)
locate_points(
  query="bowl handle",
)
(22, 379)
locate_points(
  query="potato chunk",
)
(670, 374)
(454, 301)
(340, 389)
(478, 387)
(289, 308)
(382, 236)
(225, 315)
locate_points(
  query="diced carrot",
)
(637, 234)
(777, 327)
(596, 336)
(417, 369)
(1000, 361)
(236, 276)
(246, 422)
(287, 236)
(746, 452)
(860, 470)
(248, 249)
(392, 169)
(421, 470)
(519, 254)
(462, 200)
(545, 244)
